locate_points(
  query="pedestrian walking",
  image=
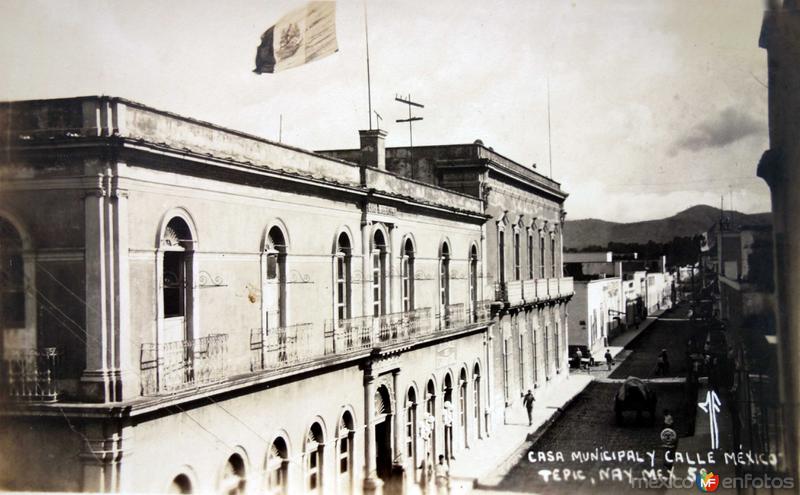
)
(442, 477)
(609, 359)
(665, 361)
(578, 359)
(528, 401)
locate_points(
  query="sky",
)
(655, 105)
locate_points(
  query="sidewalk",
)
(488, 460)
(618, 345)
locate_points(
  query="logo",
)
(707, 482)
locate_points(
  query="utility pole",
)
(411, 119)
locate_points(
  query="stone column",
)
(372, 484)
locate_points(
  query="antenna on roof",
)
(410, 121)
(549, 136)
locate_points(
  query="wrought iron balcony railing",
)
(348, 335)
(481, 312)
(29, 374)
(183, 364)
(453, 316)
(277, 347)
(400, 327)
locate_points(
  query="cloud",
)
(727, 127)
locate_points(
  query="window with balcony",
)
(342, 259)
(530, 255)
(12, 278)
(541, 256)
(378, 274)
(177, 246)
(407, 276)
(274, 290)
(444, 276)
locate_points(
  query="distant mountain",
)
(592, 232)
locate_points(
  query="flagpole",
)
(369, 83)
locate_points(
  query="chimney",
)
(373, 148)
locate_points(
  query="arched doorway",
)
(411, 427)
(276, 469)
(233, 476)
(476, 399)
(462, 407)
(314, 457)
(181, 484)
(383, 433)
(448, 415)
(345, 466)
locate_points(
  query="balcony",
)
(514, 292)
(481, 312)
(183, 364)
(520, 292)
(454, 316)
(280, 347)
(565, 286)
(541, 289)
(401, 327)
(552, 287)
(29, 375)
(529, 290)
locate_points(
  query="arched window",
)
(177, 245)
(473, 282)
(444, 276)
(378, 274)
(501, 253)
(411, 426)
(314, 458)
(342, 260)
(407, 275)
(275, 279)
(517, 271)
(181, 484)
(534, 347)
(12, 278)
(277, 468)
(233, 476)
(345, 453)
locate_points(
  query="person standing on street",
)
(609, 359)
(442, 477)
(528, 401)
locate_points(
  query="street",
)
(585, 451)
